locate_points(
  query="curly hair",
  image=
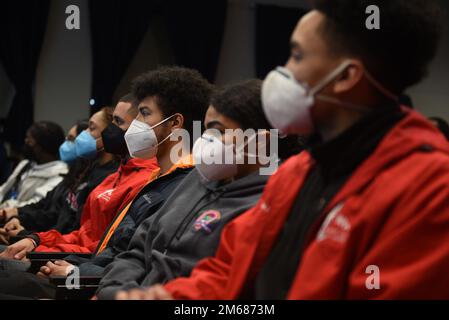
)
(177, 90)
(398, 54)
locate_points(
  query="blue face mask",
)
(67, 152)
(86, 145)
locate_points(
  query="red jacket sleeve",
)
(76, 241)
(411, 251)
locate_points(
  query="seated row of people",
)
(362, 213)
(205, 203)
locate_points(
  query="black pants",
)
(18, 284)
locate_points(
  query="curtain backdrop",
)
(22, 28)
(117, 30)
(274, 26)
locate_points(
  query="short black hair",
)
(177, 90)
(127, 98)
(130, 98)
(48, 135)
(398, 54)
(242, 103)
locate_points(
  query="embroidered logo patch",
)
(336, 227)
(106, 195)
(205, 220)
(72, 200)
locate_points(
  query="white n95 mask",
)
(217, 161)
(287, 103)
(141, 139)
(213, 159)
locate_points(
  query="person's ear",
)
(177, 122)
(349, 78)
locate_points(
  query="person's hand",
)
(6, 214)
(13, 227)
(156, 292)
(58, 268)
(4, 236)
(18, 250)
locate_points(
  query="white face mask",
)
(287, 103)
(208, 149)
(141, 139)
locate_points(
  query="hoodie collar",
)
(134, 164)
(252, 180)
(341, 156)
(414, 133)
(48, 169)
(184, 163)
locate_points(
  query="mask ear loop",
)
(162, 122)
(331, 77)
(387, 93)
(249, 155)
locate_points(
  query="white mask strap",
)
(163, 121)
(387, 93)
(165, 139)
(329, 78)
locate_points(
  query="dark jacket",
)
(59, 209)
(186, 229)
(146, 203)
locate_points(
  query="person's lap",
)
(20, 284)
(11, 265)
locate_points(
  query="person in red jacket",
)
(364, 214)
(103, 203)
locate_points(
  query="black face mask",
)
(114, 140)
(29, 153)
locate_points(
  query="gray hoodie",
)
(185, 230)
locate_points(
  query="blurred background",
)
(48, 72)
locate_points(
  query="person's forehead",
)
(122, 109)
(150, 102)
(96, 117)
(306, 33)
(213, 115)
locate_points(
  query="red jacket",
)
(393, 213)
(103, 203)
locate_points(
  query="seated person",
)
(169, 100)
(188, 227)
(365, 213)
(62, 207)
(101, 206)
(40, 172)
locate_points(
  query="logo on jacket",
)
(72, 201)
(106, 195)
(206, 219)
(335, 227)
